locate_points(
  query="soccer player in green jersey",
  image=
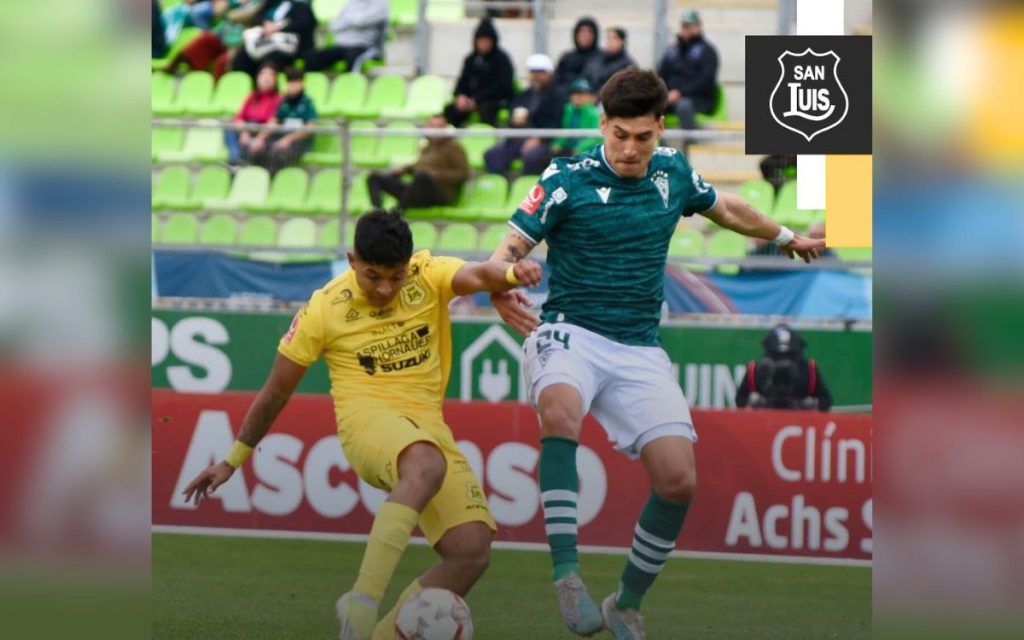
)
(607, 217)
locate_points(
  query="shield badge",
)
(809, 98)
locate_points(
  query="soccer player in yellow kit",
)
(384, 331)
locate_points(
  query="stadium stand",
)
(287, 190)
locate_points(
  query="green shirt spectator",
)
(579, 113)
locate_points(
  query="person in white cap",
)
(540, 106)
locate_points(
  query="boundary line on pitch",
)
(501, 544)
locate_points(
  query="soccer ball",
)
(434, 614)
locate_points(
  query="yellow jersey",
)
(398, 355)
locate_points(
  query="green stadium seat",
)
(348, 93)
(404, 13)
(171, 189)
(719, 114)
(424, 235)
(395, 151)
(364, 144)
(287, 192)
(258, 231)
(686, 243)
(180, 228)
(212, 183)
(162, 89)
(786, 212)
(520, 187)
(727, 244)
(330, 235)
(187, 35)
(325, 10)
(854, 254)
(485, 199)
(785, 201)
(427, 96)
(759, 193)
(358, 195)
(297, 233)
(492, 236)
(477, 146)
(316, 85)
(165, 139)
(195, 91)
(326, 149)
(250, 186)
(458, 236)
(446, 10)
(386, 91)
(221, 229)
(231, 91)
(202, 144)
(324, 196)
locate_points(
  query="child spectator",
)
(297, 113)
(580, 113)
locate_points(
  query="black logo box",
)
(766, 136)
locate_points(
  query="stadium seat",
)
(492, 236)
(518, 191)
(316, 85)
(854, 254)
(348, 93)
(785, 210)
(330, 235)
(258, 231)
(686, 243)
(195, 92)
(324, 196)
(404, 13)
(287, 189)
(231, 91)
(396, 151)
(221, 229)
(720, 113)
(297, 232)
(424, 235)
(187, 35)
(326, 149)
(325, 10)
(202, 144)
(386, 91)
(727, 244)
(212, 183)
(250, 186)
(162, 90)
(171, 189)
(459, 236)
(759, 193)
(358, 195)
(427, 96)
(446, 10)
(364, 145)
(477, 146)
(180, 228)
(485, 200)
(165, 139)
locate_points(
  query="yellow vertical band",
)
(848, 200)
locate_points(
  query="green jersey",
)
(608, 239)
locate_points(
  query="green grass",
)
(225, 588)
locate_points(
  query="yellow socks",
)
(388, 537)
(385, 629)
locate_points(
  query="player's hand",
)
(512, 307)
(807, 248)
(208, 480)
(528, 273)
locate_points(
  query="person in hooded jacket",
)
(783, 378)
(486, 83)
(613, 58)
(690, 71)
(573, 64)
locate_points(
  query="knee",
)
(421, 465)
(475, 556)
(678, 486)
(560, 419)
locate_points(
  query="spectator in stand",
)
(213, 50)
(538, 107)
(295, 112)
(437, 175)
(573, 64)
(284, 33)
(359, 31)
(778, 169)
(159, 40)
(783, 378)
(486, 83)
(690, 71)
(259, 107)
(580, 113)
(613, 58)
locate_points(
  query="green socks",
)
(559, 491)
(653, 540)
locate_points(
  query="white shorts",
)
(629, 389)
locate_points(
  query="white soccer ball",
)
(434, 614)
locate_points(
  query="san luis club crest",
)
(809, 98)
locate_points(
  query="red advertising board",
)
(770, 482)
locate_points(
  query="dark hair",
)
(291, 73)
(383, 238)
(267, 64)
(634, 92)
(619, 31)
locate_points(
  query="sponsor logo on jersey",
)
(413, 294)
(532, 200)
(698, 182)
(660, 180)
(550, 171)
(559, 195)
(665, 151)
(386, 312)
(294, 325)
(809, 98)
(585, 163)
(343, 296)
(352, 315)
(603, 193)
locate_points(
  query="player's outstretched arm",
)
(495, 275)
(285, 375)
(735, 213)
(512, 306)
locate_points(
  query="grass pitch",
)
(225, 588)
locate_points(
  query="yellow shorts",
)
(373, 438)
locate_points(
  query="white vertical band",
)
(815, 18)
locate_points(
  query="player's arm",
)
(495, 275)
(285, 375)
(735, 213)
(513, 248)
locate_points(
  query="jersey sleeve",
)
(438, 272)
(544, 206)
(304, 341)
(702, 196)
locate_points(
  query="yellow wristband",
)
(240, 452)
(510, 275)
